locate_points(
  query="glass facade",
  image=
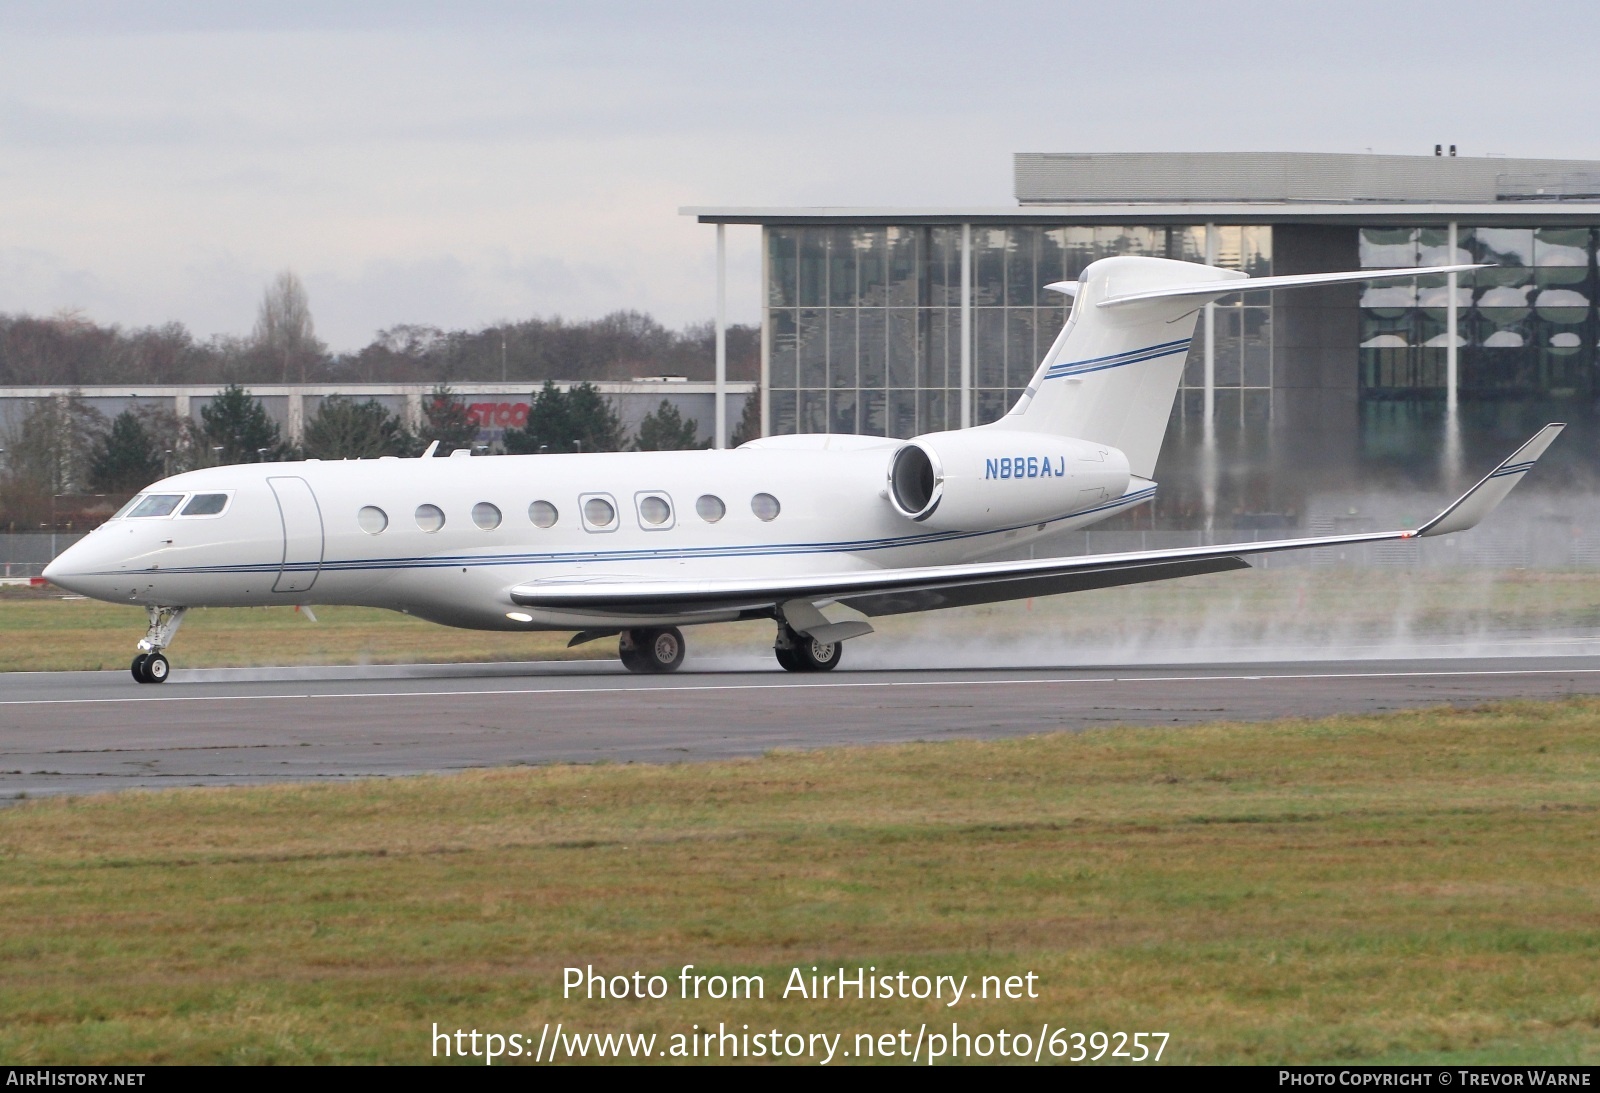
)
(1526, 327)
(863, 324)
(1308, 391)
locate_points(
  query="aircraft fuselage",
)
(456, 534)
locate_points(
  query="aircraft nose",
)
(64, 572)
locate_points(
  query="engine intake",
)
(978, 479)
(916, 482)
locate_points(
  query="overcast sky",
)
(458, 164)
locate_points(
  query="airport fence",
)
(24, 554)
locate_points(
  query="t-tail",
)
(1113, 372)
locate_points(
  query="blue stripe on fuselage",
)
(361, 565)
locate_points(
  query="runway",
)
(90, 732)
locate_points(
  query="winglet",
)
(1481, 499)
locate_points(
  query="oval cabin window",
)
(765, 506)
(486, 516)
(430, 518)
(371, 519)
(598, 511)
(710, 508)
(654, 510)
(543, 514)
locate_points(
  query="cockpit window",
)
(156, 504)
(123, 511)
(205, 504)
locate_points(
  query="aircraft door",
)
(302, 534)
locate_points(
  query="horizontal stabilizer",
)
(1481, 499)
(1214, 289)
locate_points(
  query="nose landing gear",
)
(650, 651)
(150, 666)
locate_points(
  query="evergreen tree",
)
(176, 440)
(579, 420)
(240, 427)
(445, 419)
(596, 427)
(547, 417)
(666, 430)
(346, 429)
(126, 459)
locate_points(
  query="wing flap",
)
(1022, 588)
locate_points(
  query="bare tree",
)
(284, 330)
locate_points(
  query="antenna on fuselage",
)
(431, 449)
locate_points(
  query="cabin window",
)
(765, 506)
(371, 519)
(205, 504)
(599, 513)
(430, 518)
(710, 508)
(486, 516)
(655, 511)
(156, 504)
(543, 514)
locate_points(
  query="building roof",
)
(1363, 214)
(1056, 178)
(1246, 188)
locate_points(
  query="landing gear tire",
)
(819, 656)
(150, 668)
(805, 654)
(632, 657)
(652, 651)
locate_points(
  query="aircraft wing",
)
(894, 591)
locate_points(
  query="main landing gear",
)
(660, 649)
(150, 666)
(653, 650)
(798, 653)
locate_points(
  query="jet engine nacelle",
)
(988, 478)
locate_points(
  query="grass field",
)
(1297, 610)
(1416, 887)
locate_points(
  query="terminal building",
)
(899, 321)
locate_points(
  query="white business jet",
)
(636, 545)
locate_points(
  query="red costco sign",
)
(498, 415)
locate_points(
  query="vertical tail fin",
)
(1112, 374)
